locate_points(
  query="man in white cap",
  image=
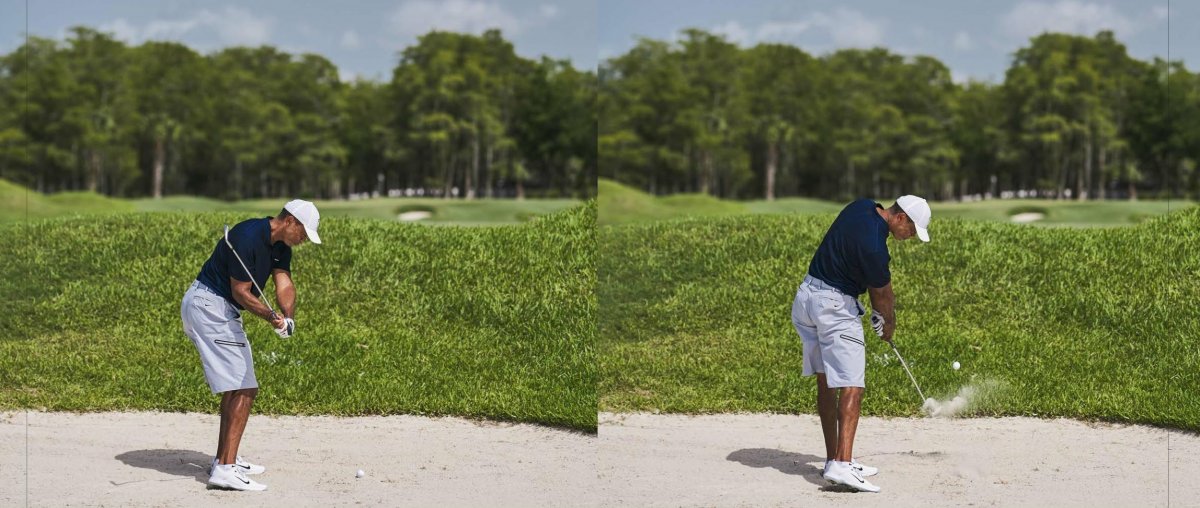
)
(852, 259)
(211, 311)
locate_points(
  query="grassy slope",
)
(16, 202)
(1061, 213)
(458, 212)
(1087, 323)
(620, 204)
(391, 318)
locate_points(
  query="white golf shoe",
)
(864, 469)
(232, 477)
(241, 463)
(849, 476)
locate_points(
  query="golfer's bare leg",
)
(827, 407)
(224, 433)
(849, 405)
(239, 413)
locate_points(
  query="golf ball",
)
(956, 365)
(360, 474)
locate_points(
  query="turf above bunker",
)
(1072, 322)
(487, 322)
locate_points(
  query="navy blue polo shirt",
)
(252, 239)
(854, 254)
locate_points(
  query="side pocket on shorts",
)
(853, 339)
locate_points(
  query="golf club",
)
(262, 295)
(910, 376)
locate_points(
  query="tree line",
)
(1075, 117)
(462, 115)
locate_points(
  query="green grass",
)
(620, 204)
(794, 205)
(16, 201)
(1087, 323)
(1060, 213)
(444, 212)
(18, 204)
(391, 318)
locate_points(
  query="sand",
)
(151, 459)
(774, 460)
(1027, 217)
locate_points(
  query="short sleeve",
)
(875, 267)
(282, 259)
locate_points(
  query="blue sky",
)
(974, 38)
(362, 37)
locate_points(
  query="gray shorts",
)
(830, 327)
(215, 327)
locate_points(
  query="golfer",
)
(211, 310)
(852, 259)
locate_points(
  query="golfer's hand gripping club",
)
(288, 328)
(877, 323)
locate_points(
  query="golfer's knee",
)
(249, 393)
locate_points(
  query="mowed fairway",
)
(18, 204)
(480, 212)
(1083, 323)
(620, 204)
(391, 318)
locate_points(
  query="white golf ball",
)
(360, 474)
(956, 365)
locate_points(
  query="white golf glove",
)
(877, 322)
(288, 329)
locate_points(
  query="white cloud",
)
(238, 26)
(919, 32)
(233, 26)
(162, 29)
(851, 28)
(350, 40)
(347, 76)
(847, 28)
(548, 11)
(121, 29)
(962, 42)
(774, 30)
(733, 31)
(1029, 19)
(959, 77)
(416, 17)
(1161, 12)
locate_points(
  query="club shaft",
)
(910, 376)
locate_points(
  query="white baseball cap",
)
(917, 210)
(306, 213)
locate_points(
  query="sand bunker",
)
(415, 216)
(1027, 217)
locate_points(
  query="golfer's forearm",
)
(286, 298)
(252, 304)
(883, 300)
